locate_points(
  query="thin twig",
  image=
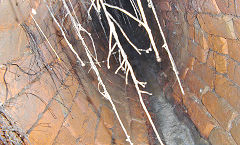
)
(45, 37)
(5, 82)
(77, 26)
(165, 45)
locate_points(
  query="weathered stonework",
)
(213, 79)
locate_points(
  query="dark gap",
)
(144, 65)
(171, 122)
(138, 36)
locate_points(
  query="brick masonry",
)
(62, 107)
(208, 60)
(57, 102)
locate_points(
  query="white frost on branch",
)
(124, 63)
(101, 87)
(100, 6)
(165, 45)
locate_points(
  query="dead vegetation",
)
(66, 14)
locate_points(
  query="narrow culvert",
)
(172, 123)
(60, 85)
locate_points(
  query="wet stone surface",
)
(174, 126)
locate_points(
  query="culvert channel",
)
(172, 124)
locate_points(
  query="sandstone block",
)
(219, 137)
(228, 91)
(217, 25)
(204, 122)
(219, 109)
(235, 131)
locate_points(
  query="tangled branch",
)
(101, 6)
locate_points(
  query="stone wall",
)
(204, 38)
(58, 102)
